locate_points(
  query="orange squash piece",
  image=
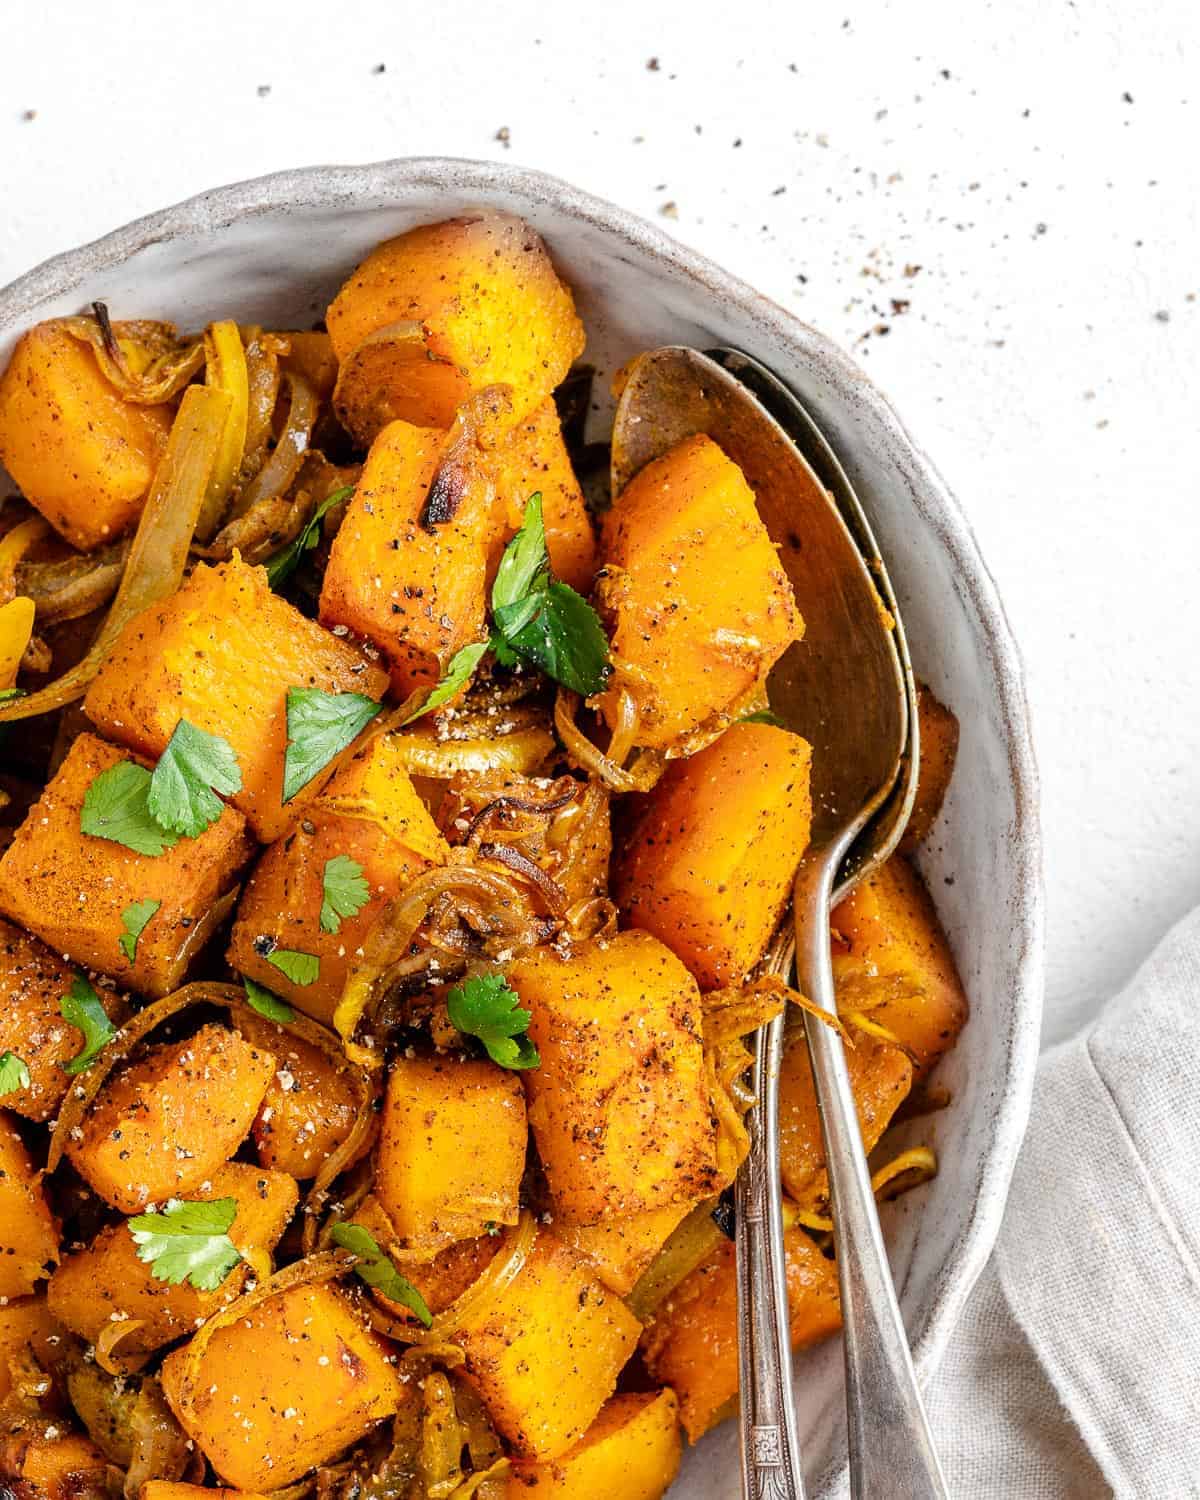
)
(311, 356)
(691, 1342)
(467, 303)
(534, 460)
(709, 864)
(79, 452)
(165, 1122)
(618, 1106)
(880, 1078)
(62, 1466)
(309, 1107)
(165, 1489)
(891, 960)
(699, 605)
(620, 1248)
(71, 887)
(416, 591)
(632, 1449)
(451, 1151)
(25, 1323)
(285, 1388)
(33, 981)
(544, 1351)
(28, 1233)
(105, 1282)
(222, 653)
(370, 813)
(939, 747)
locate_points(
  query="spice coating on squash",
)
(25, 1323)
(105, 1282)
(222, 654)
(484, 306)
(162, 1124)
(81, 454)
(369, 812)
(700, 606)
(619, 1106)
(28, 1233)
(414, 590)
(632, 1449)
(619, 1248)
(451, 1150)
(709, 862)
(286, 1387)
(70, 887)
(33, 981)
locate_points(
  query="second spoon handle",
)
(891, 1448)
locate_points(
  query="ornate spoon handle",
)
(769, 1443)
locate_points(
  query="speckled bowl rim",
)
(325, 187)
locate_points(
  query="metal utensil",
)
(847, 688)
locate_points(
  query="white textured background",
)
(996, 207)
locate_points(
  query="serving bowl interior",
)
(274, 251)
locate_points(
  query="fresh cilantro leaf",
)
(81, 1007)
(116, 807)
(134, 919)
(191, 770)
(525, 560)
(259, 998)
(284, 563)
(188, 1241)
(300, 968)
(541, 619)
(458, 673)
(563, 637)
(14, 1073)
(486, 1007)
(344, 891)
(320, 725)
(7, 694)
(378, 1270)
(762, 716)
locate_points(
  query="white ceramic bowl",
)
(275, 250)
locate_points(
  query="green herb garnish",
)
(484, 1006)
(193, 768)
(81, 1007)
(762, 716)
(134, 919)
(457, 675)
(284, 563)
(259, 998)
(320, 725)
(344, 891)
(378, 1270)
(188, 1241)
(117, 807)
(300, 968)
(14, 1073)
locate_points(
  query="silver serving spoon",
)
(848, 689)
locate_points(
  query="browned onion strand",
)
(171, 361)
(279, 470)
(521, 864)
(506, 804)
(71, 587)
(645, 772)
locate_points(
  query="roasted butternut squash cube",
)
(544, 1351)
(285, 1388)
(534, 460)
(71, 887)
(415, 590)
(369, 813)
(106, 1283)
(691, 1341)
(620, 1248)
(440, 1281)
(309, 1107)
(51, 1463)
(700, 607)
(451, 1151)
(709, 864)
(632, 1449)
(25, 1323)
(891, 959)
(166, 1121)
(28, 1233)
(473, 301)
(619, 1107)
(80, 453)
(939, 747)
(222, 654)
(33, 981)
(880, 1078)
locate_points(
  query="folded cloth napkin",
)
(1075, 1371)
